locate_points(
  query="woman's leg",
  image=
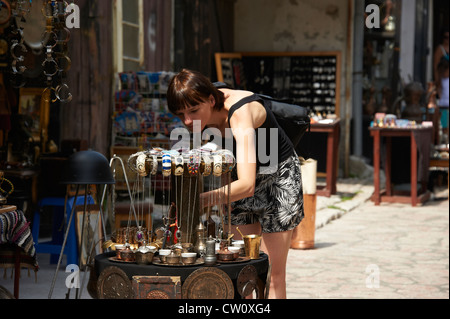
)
(277, 245)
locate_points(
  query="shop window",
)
(380, 78)
(129, 35)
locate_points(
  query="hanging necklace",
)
(228, 165)
(193, 168)
(179, 171)
(166, 170)
(140, 233)
(217, 172)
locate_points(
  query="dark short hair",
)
(190, 88)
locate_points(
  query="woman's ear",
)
(212, 100)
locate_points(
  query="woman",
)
(267, 203)
(443, 91)
(440, 52)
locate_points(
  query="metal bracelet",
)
(47, 62)
(58, 93)
(67, 38)
(179, 165)
(154, 164)
(21, 69)
(166, 164)
(208, 163)
(50, 34)
(61, 56)
(193, 164)
(50, 95)
(17, 44)
(217, 170)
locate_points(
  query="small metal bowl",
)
(163, 253)
(144, 258)
(235, 251)
(188, 258)
(173, 258)
(144, 255)
(118, 248)
(127, 254)
(241, 245)
(225, 255)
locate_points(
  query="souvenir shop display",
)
(182, 238)
(140, 113)
(308, 79)
(52, 44)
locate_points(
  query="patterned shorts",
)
(278, 200)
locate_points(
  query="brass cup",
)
(118, 248)
(163, 253)
(251, 246)
(188, 258)
(235, 251)
(144, 258)
(173, 258)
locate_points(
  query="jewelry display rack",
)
(189, 174)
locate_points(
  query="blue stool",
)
(54, 246)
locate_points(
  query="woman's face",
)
(201, 112)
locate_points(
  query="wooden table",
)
(333, 131)
(388, 194)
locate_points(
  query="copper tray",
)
(157, 262)
(236, 261)
(113, 283)
(116, 260)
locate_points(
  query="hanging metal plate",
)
(113, 283)
(208, 283)
(247, 281)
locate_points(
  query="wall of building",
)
(301, 25)
(290, 25)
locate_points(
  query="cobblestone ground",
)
(389, 251)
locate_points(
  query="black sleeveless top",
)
(285, 148)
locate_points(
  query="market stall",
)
(420, 135)
(194, 245)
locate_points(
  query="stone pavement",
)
(390, 251)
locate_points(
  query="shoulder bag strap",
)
(239, 104)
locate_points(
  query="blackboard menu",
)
(307, 79)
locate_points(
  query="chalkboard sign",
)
(309, 79)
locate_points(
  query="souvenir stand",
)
(193, 254)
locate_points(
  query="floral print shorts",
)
(278, 200)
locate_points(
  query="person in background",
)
(443, 93)
(440, 51)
